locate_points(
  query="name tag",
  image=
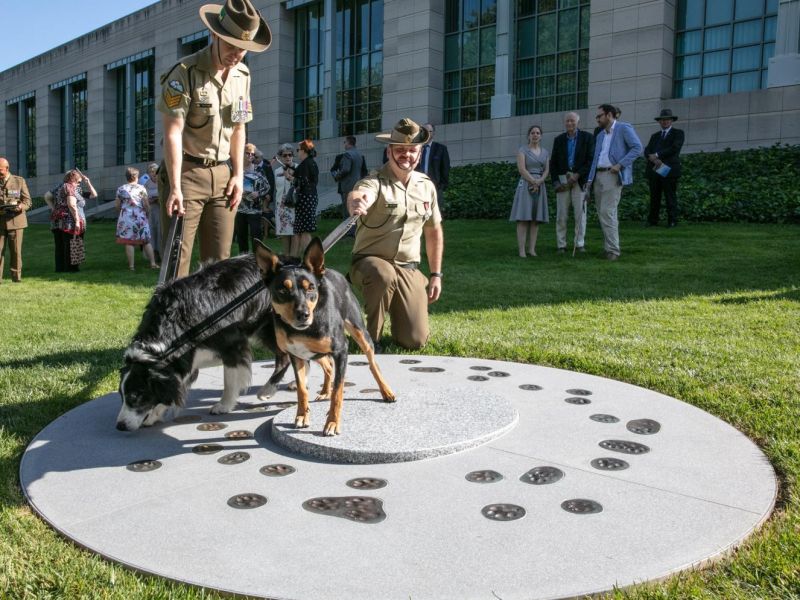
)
(203, 104)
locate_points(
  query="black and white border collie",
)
(154, 380)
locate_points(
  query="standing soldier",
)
(14, 202)
(205, 102)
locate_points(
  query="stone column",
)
(784, 66)
(504, 99)
(413, 61)
(329, 126)
(272, 81)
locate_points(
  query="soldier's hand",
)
(175, 203)
(434, 289)
(234, 191)
(359, 201)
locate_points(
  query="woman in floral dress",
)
(133, 228)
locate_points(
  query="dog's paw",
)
(267, 391)
(155, 415)
(302, 421)
(323, 395)
(331, 428)
(388, 395)
(292, 386)
(220, 409)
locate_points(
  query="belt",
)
(411, 266)
(602, 169)
(206, 162)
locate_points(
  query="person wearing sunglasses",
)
(284, 215)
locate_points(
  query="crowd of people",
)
(582, 165)
(222, 186)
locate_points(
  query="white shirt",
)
(603, 161)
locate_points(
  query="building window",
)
(73, 125)
(469, 59)
(135, 82)
(723, 46)
(308, 70)
(552, 58)
(29, 136)
(359, 65)
(190, 44)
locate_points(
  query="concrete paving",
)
(588, 484)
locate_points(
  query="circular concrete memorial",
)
(485, 479)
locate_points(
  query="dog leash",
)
(169, 267)
(198, 333)
(338, 233)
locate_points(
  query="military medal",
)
(242, 111)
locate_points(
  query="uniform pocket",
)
(199, 117)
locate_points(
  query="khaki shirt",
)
(392, 227)
(14, 191)
(191, 91)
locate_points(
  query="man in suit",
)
(435, 163)
(616, 148)
(15, 201)
(350, 169)
(570, 162)
(664, 148)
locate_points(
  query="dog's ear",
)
(267, 261)
(314, 257)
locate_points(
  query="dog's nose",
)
(301, 313)
(122, 426)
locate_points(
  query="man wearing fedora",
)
(205, 103)
(397, 206)
(664, 148)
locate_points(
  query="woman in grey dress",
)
(530, 200)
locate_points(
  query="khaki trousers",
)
(206, 212)
(572, 197)
(401, 292)
(13, 239)
(607, 192)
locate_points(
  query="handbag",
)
(289, 201)
(77, 250)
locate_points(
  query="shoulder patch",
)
(171, 98)
(176, 85)
(164, 77)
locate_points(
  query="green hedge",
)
(757, 185)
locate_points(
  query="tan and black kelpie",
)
(314, 306)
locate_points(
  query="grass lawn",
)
(707, 313)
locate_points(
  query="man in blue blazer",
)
(616, 148)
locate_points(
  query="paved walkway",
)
(570, 484)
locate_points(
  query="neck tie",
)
(664, 135)
(424, 160)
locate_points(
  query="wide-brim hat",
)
(405, 133)
(238, 23)
(666, 114)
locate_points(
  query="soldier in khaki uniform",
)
(398, 206)
(205, 102)
(14, 202)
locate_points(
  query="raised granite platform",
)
(421, 424)
(597, 484)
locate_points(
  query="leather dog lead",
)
(200, 332)
(338, 233)
(169, 267)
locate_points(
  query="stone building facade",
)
(482, 71)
